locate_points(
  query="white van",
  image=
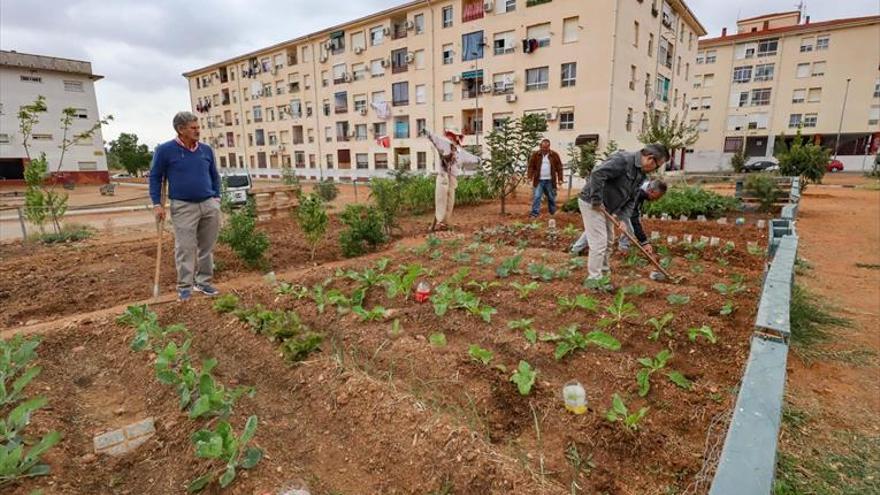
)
(237, 185)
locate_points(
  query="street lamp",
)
(840, 124)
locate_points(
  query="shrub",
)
(738, 161)
(690, 201)
(327, 189)
(69, 233)
(764, 188)
(804, 160)
(387, 194)
(312, 219)
(364, 230)
(241, 235)
(417, 192)
(571, 206)
(472, 190)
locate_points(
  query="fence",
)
(747, 465)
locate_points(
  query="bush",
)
(69, 233)
(364, 230)
(327, 190)
(764, 188)
(417, 192)
(690, 201)
(472, 190)
(311, 215)
(571, 206)
(241, 235)
(738, 161)
(387, 194)
(804, 160)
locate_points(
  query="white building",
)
(65, 84)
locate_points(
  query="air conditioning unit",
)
(511, 98)
(410, 57)
(456, 79)
(386, 62)
(363, 111)
(327, 45)
(386, 31)
(551, 116)
(486, 88)
(410, 25)
(347, 77)
(358, 50)
(488, 6)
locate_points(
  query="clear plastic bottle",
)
(575, 397)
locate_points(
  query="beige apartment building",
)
(350, 101)
(780, 72)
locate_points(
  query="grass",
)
(847, 465)
(69, 233)
(810, 319)
(869, 266)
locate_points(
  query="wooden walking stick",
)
(160, 228)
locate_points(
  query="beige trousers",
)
(600, 238)
(196, 226)
(444, 197)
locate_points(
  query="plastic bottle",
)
(423, 291)
(575, 397)
(551, 224)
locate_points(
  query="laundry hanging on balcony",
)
(384, 141)
(383, 111)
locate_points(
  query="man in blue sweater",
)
(194, 191)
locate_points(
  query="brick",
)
(105, 440)
(145, 427)
(118, 449)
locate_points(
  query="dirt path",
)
(833, 402)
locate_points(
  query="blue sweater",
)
(192, 176)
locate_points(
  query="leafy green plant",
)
(524, 324)
(509, 266)
(16, 463)
(477, 353)
(524, 378)
(364, 230)
(802, 158)
(311, 215)
(727, 308)
(680, 380)
(377, 313)
(722, 262)
(634, 260)
(226, 303)
(678, 299)
(447, 297)
(649, 367)
(510, 145)
(575, 262)
(620, 413)
(438, 339)
(241, 235)
(289, 289)
(523, 290)
(580, 301)
(298, 347)
(619, 310)
(221, 444)
(461, 257)
(704, 331)
(541, 271)
(754, 249)
(690, 201)
(16, 372)
(327, 189)
(731, 289)
(570, 339)
(401, 282)
(14, 423)
(634, 290)
(485, 259)
(602, 284)
(483, 285)
(660, 325)
(764, 188)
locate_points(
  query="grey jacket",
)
(615, 183)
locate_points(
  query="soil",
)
(374, 412)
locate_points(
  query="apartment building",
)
(65, 84)
(351, 100)
(780, 72)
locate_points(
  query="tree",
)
(738, 161)
(511, 144)
(312, 218)
(804, 160)
(673, 133)
(129, 154)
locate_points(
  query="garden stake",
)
(663, 275)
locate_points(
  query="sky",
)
(142, 48)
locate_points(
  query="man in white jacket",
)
(452, 158)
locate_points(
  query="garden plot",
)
(361, 389)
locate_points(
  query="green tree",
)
(510, 145)
(313, 220)
(738, 161)
(802, 159)
(129, 154)
(582, 158)
(241, 235)
(673, 133)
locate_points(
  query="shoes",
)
(184, 295)
(206, 289)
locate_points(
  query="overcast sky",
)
(142, 48)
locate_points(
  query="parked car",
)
(238, 183)
(834, 166)
(761, 166)
(122, 175)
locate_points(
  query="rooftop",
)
(808, 26)
(12, 58)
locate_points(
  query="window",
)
(823, 42)
(358, 40)
(877, 88)
(377, 36)
(764, 72)
(31, 79)
(632, 77)
(4, 138)
(472, 45)
(400, 94)
(258, 113)
(360, 132)
(767, 48)
(398, 61)
(811, 119)
(873, 116)
(328, 134)
(706, 103)
(758, 120)
(338, 73)
(503, 42)
(662, 88)
(636, 34)
(306, 54)
(380, 129)
(401, 127)
(447, 54)
(329, 158)
(650, 44)
(743, 99)
(806, 46)
(687, 70)
(742, 74)
(814, 95)
(701, 125)
(260, 137)
(569, 74)
(447, 16)
(798, 96)
(340, 101)
(803, 70)
(360, 102)
(708, 80)
(471, 10)
(499, 118)
(448, 121)
(362, 161)
(80, 113)
(419, 21)
(421, 95)
(505, 6)
(664, 54)
(297, 134)
(381, 159)
(760, 97)
(566, 120)
(794, 120)
(695, 103)
(337, 43)
(540, 33)
(537, 78)
(273, 139)
(818, 69)
(41, 137)
(421, 160)
(358, 72)
(419, 59)
(376, 68)
(711, 55)
(87, 165)
(629, 119)
(701, 57)
(73, 86)
(447, 90)
(570, 30)
(733, 144)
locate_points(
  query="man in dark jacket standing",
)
(545, 172)
(613, 185)
(194, 189)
